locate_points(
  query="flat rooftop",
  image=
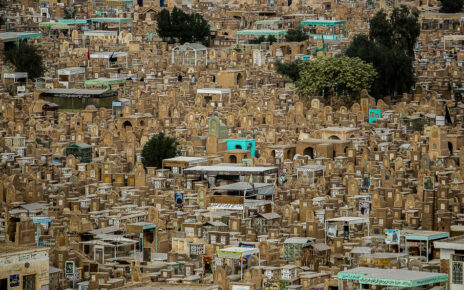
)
(13, 36)
(392, 277)
(230, 170)
(242, 186)
(454, 243)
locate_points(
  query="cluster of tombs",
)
(269, 190)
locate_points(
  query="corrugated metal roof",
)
(76, 91)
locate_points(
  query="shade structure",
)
(391, 277)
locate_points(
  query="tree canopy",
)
(399, 31)
(394, 67)
(451, 6)
(296, 35)
(290, 69)
(390, 49)
(26, 58)
(183, 27)
(159, 147)
(341, 74)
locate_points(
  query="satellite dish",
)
(296, 156)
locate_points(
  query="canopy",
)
(392, 277)
(100, 33)
(236, 252)
(231, 170)
(73, 21)
(108, 54)
(213, 91)
(71, 71)
(190, 46)
(259, 32)
(350, 220)
(15, 36)
(52, 24)
(105, 81)
(112, 20)
(262, 188)
(322, 22)
(269, 22)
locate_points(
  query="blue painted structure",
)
(331, 23)
(38, 221)
(374, 114)
(249, 144)
(426, 236)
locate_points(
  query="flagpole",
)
(243, 209)
(275, 190)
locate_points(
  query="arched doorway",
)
(334, 137)
(450, 148)
(309, 151)
(233, 159)
(126, 124)
(238, 147)
(142, 123)
(239, 79)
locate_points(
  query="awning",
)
(236, 252)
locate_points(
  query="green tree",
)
(163, 22)
(296, 35)
(390, 49)
(181, 26)
(380, 29)
(341, 74)
(406, 28)
(201, 29)
(270, 38)
(451, 6)
(290, 69)
(159, 147)
(394, 67)
(26, 58)
(400, 31)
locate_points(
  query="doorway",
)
(29, 282)
(4, 283)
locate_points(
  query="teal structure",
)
(332, 23)
(374, 114)
(425, 236)
(73, 21)
(394, 278)
(249, 144)
(38, 221)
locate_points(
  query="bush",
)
(390, 49)
(26, 58)
(339, 74)
(159, 147)
(183, 27)
(451, 6)
(290, 69)
(296, 35)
